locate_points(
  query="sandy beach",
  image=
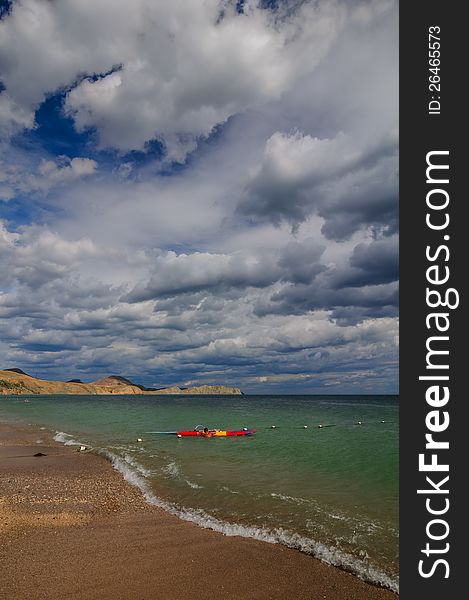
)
(71, 527)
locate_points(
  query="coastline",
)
(18, 383)
(72, 527)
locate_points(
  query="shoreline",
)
(17, 382)
(72, 527)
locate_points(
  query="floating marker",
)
(272, 426)
(245, 428)
(139, 440)
(359, 423)
(320, 426)
(179, 435)
(82, 449)
(383, 421)
(305, 427)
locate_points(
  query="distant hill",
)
(199, 389)
(16, 370)
(15, 381)
(116, 380)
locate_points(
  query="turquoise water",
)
(329, 491)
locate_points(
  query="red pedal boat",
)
(215, 433)
(201, 431)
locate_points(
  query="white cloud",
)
(343, 181)
(61, 309)
(175, 274)
(52, 173)
(194, 273)
(18, 178)
(171, 71)
(13, 116)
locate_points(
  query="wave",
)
(227, 489)
(194, 486)
(331, 556)
(358, 523)
(136, 465)
(136, 475)
(292, 499)
(171, 469)
(66, 439)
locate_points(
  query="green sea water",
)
(330, 491)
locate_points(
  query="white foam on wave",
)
(66, 439)
(127, 471)
(338, 517)
(227, 489)
(137, 466)
(194, 486)
(61, 436)
(171, 469)
(329, 555)
(135, 474)
(286, 498)
(359, 524)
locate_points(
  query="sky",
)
(201, 192)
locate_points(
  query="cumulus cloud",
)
(376, 262)
(186, 312)
(349, 186)
(266, 260)
(158, 70)
(16, 178)
(38, 256)
(175, 274)
(52, 173)
(13, 116)
(347, 305)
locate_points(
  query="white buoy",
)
(179, 435)
(320, 426)
(139, 440)
(359, 423)
(272, 426)
(383, 421)
(82, 449)
(245, 428)
(305, 427)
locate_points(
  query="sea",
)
(320, 474)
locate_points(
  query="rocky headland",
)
(17, 382)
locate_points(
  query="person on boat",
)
(209, 432)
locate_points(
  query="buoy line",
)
(322, 426)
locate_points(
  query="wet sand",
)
(72, 528)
